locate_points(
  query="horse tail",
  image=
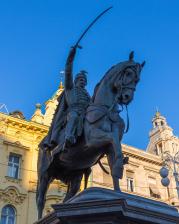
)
(102, 167)
(86, 176)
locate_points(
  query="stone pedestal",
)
(103, 206)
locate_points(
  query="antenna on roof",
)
(157, 110)
(3, 108)
(61, 75)
(61, 79)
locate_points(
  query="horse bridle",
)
(122, 86)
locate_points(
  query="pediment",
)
(12, 195)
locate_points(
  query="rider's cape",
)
(58, 122)
(51, 139)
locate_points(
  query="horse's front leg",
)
(101, 139)
(117, 169)
(98, 138)
(111, 160)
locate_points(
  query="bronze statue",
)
(83, 130)
(101, 135)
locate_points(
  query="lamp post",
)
(170, 162)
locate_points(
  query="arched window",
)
(8, 215)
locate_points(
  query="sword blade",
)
(91, 24)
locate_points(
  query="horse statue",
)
(103, 129)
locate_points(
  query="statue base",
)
(104, 206)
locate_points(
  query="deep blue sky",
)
(35, 37)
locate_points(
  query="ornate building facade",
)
(19, 139)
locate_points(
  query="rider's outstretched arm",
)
(69, 69)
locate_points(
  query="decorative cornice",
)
(141, 155)
(17, 144)
(27, 125)
(152, 169)
(57, 198)
(133, 164)
(14, 180)
(11, 195)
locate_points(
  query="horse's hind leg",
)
(111, 160)
(43, 184)
(73, 186)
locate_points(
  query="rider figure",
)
(77, 99)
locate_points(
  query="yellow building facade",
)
(19, 139)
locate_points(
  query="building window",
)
(156, 150)
(8, 215)
(154, 192)
(14, 166)
(130, 181)
(130, 184)
(153, 189)
(160, 148)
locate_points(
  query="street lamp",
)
(172, 163)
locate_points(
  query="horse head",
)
(126, 77)
(122, 79)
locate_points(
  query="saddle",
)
(97, 112)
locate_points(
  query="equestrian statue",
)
(84, 129)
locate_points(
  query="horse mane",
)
(118, 68)
(99, 83)
(95, 90)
